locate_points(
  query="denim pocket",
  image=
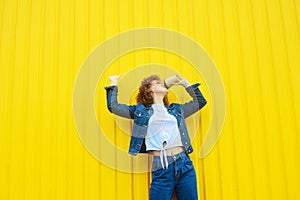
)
(156, 165)
(188, 163)
(157, 172)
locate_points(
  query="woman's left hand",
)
(114, 79)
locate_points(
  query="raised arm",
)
(198, 100)
(113, 105)
(196, 104)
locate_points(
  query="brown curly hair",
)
(144, 95)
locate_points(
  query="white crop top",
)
(162, 127)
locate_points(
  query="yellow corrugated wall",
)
(255, 45)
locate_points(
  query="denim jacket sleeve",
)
(114, 106)
(196, 104)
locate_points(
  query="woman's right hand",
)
(114, 79)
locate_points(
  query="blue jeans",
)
(180, 176)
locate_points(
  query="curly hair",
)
(144, 95)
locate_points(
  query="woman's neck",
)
(158, 100)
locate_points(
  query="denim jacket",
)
(141, 115)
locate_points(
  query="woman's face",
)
(158, 87)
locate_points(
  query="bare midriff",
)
(169, 152)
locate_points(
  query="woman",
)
(160, 129)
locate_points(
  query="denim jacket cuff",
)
(192, 87)
(111, 87)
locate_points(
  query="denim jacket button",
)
(182, 133)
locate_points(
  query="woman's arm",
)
(198, 100)
(113, 105)
(196, 104)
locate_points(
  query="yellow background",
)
(255, 44)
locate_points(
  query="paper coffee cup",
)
(169, 81)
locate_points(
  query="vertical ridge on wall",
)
(228, 158)
(242, 57)
(276, 181)
(289, 126)
(213, 175)
(262, 182)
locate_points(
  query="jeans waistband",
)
(173, 157)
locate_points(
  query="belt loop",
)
(180, 155)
